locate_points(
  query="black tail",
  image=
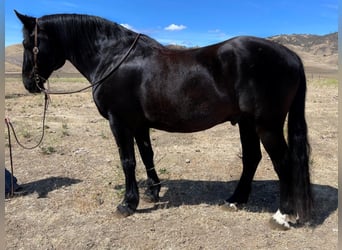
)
(300, 153)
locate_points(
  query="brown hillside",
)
(14, 60)
(318, 45)
(319, 53)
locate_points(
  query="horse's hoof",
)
(123, 211)
(232, 207)
(274, 224)
(282, 222)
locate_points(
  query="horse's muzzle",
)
(34, 85)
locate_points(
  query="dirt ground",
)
(74, 181)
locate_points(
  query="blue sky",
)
(190, 22)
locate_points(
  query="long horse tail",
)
(299, 149)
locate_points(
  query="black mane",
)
(89, 28)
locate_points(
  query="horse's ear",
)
(28, 22)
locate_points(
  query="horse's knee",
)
(128, 165)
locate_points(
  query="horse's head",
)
(42, 54)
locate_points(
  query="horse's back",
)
(261, 56)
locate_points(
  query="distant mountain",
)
(326, 45)
(319, 53)
(13, 58)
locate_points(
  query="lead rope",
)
(10, 128)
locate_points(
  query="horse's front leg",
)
(125, 142)
(142, 138)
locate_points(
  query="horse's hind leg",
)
(251, 156)
(145, 148)
(275, 145)
(125, 142)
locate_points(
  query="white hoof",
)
(230, 206)
(283, 221)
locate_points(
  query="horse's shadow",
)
(44, 186)
(264, 196)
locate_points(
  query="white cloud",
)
(130, 27)
(127, 26)
(214, 31)
(175, 27)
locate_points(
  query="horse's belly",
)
(192, 118)
(194, 103)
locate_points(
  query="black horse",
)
(138, 84)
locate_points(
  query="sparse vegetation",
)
(163, 171)
(48, 150)
(65, 130)
(330, 81)
(26, 134)
(104, 135)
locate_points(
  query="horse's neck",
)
(89, 62)
(96, 57)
